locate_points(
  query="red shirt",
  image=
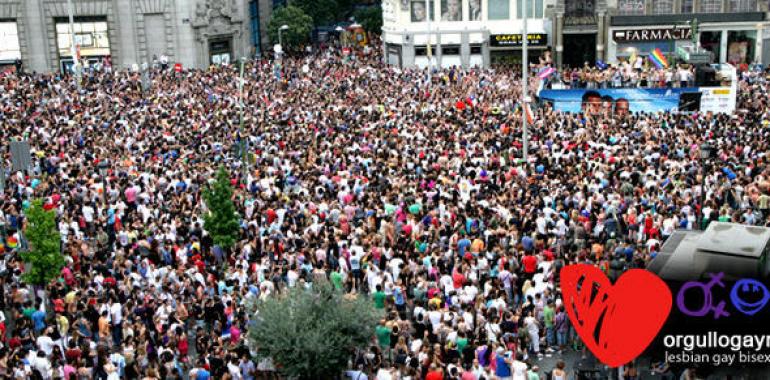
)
(458, 279)
(434, 375)
(530, 263)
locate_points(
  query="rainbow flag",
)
(11, 242)
(658, 59)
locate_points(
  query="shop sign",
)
(533, 39)
(658, 34)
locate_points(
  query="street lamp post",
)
(524, 83)
(75, 60)
(705, 155)
(244, 142)
(103, 168)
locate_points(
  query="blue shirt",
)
(38, 318)
(502, 370)
(202, 374)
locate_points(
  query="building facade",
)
(733, 31)
(194, 33)
(463, 32)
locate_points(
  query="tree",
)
(370, 19)
(311, 334)
(300, 26)
(44, 255)
(222, 221)
(323, 12)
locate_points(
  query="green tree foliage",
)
(44, 256)
(300, 26)
(323, 12)
(221, 221)
(311, 334)
(370, 18)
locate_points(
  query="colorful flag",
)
(658, 59)
(546, 72)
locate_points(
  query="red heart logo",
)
(616, 322)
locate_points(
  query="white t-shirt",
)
(519, 370)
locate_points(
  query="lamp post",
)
(280, 34)
(705, 155)
(244, 142)
(75, 60)
(524, 84)
(103, 168)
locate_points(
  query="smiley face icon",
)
(749, 296)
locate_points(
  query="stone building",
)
(194, 33)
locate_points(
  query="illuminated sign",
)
(535, 39)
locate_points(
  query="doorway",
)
(578, 49)
(220, 51)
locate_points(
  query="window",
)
(662, 7)
(742, 5)
(9, 41)
(499, 10)
(534, 9)
(91, 36)
(687, 6)
(740, 46)
(710, 6)
(254, 14)
(422, 51)
(631, 7)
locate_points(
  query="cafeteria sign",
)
(534, 39)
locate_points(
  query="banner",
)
(621, 101)
(618, 101)
(717, 99)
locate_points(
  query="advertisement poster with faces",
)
(451, 10)
(419, 11)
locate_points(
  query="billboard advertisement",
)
(618, 101)
(621, 101)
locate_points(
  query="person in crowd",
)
(405, 186)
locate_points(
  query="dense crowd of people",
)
(403, 185)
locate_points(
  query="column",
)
(485, 49)
(35, 33)
(758, 47)
(407, 50)
(465, 49)
(601, 32)
(127, 32)
(723, 47)
(438, 50)
(558, 32)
